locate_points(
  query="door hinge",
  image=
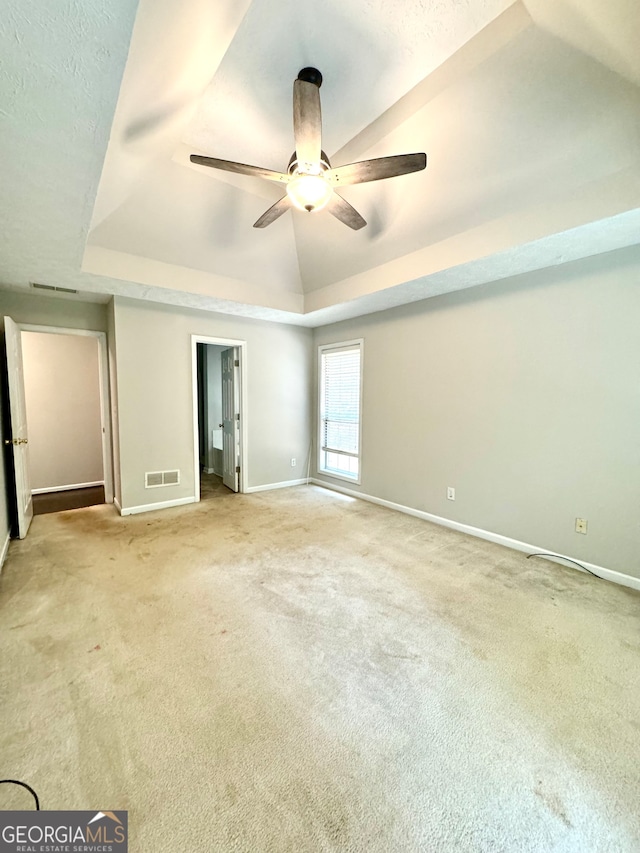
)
(238, 416)
(237, 469)
(236, 363)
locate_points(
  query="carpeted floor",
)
(211, 486)
(298, 671)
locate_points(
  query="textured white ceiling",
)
(370, 52)
(529, 115)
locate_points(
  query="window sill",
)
(334, 476)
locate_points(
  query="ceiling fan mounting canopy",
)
(310, 75)
(310, 181)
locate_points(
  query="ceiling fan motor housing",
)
(292, 165)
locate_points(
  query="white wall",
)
(210, 404)
(43, 310)
(524, 396)
(62, 392)
(214, 400)
(154, 377)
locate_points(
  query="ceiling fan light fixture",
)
(309, 178)
(309, 192)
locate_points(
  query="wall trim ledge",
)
(134, 510)
(515, 544)
(5, 549)
(67, 488)
(284, 485)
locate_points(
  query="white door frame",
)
(242, 398)
(103, 379)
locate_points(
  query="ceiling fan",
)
(310, 181)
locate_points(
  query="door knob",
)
(16, 441)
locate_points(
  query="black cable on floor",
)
(575, 562)
(24, 785)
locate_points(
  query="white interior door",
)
(19, 438)
(230, 423)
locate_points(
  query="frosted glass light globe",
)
(309, 192)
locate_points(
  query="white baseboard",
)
(67, 488)
(5, 548)
(134, 510)
(284, 485)
(209, 471)
(601, 571)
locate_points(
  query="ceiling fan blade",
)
(343, 211)
(281, 206)
(376, 170)
(240, 168)
(307, 122)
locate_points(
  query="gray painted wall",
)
(523, 395)
(62, 393)
(66, 312)
(155, 394)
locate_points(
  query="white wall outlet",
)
(451, 493)
(293, 462)
(581, 525)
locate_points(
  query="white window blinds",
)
(340, 410)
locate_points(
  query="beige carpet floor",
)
(299, 671)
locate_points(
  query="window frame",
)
(322, 348)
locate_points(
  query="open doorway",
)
(68, 458)
(218, 420)
(58, 405)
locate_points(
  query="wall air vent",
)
(39, 286)
(152, 479)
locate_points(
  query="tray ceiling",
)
(528, 113)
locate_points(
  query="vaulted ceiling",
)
(528, 112)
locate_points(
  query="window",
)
(340, 391)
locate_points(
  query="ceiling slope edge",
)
(221, 292)
(592, 205)
(166, 72)
(555, 18)
(481, 47)
(558, 249)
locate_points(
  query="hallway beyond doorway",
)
(211, 486)
(68, 499)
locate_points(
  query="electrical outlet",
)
(581, 525)
(293, 462)
(451, 493)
